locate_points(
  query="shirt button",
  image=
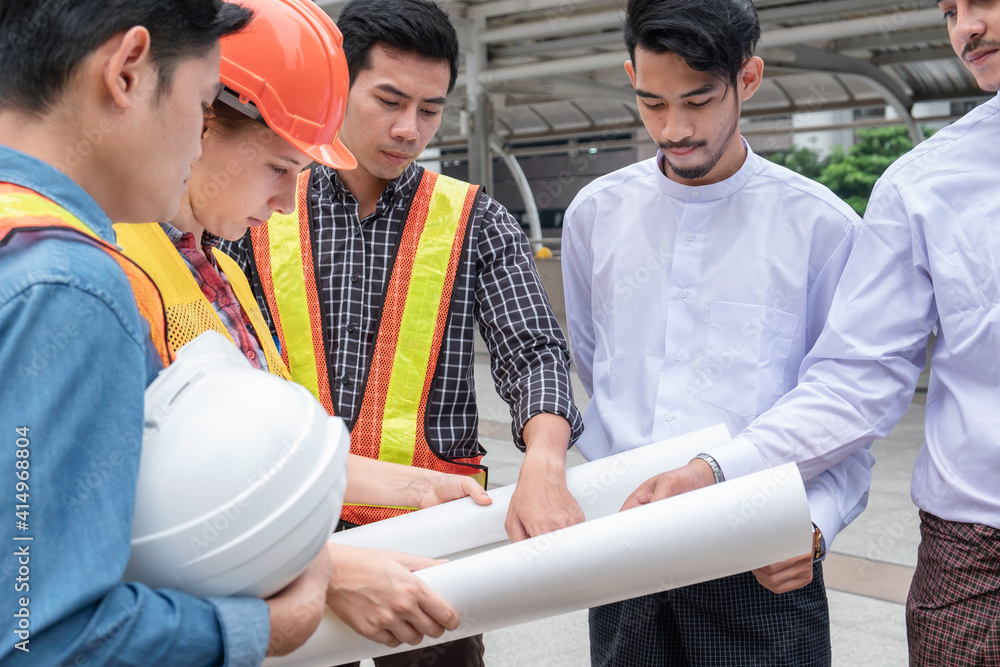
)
(677, 356)
(695, 194)
(683, 294)
(251, 355)
(668, 417)
(346, 381)
(355, 277)
(357, 231)
(350, 328)
(690, 237)
(224, 301)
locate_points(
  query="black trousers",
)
(729, 622)
(466, 652)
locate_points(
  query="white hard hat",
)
(241, 478)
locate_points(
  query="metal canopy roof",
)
(550, 71)
(555, 66)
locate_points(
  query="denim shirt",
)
(75, 359)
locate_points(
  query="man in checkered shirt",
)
(403, 61)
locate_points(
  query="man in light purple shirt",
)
(695, 283)
(927, 259)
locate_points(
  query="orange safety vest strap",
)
(369, 424)
(262, 267)
(444, 310)
(23, 210)
(283, 256)
(414, 315)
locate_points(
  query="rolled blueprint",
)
(713, 532)
(600, 488)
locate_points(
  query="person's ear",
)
(129, 72)
(630, 69)
(750, 78)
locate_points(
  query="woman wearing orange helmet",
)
(283, 98)
(285, 85)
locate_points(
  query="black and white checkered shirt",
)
(496, 285)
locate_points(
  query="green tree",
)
(805, 161)
(851, 174)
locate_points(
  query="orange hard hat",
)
(289, 66)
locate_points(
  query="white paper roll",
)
(600, 487)
(714, 532)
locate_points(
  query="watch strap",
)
(714, 465)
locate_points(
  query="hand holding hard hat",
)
(242, 506)
(234, 506)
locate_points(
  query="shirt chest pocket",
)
(746, 351)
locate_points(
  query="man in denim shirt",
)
(100, 119)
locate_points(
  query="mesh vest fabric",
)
(25, 211)
(189, 313)
(401, 371)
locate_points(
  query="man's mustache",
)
(673, 145)
(979, 43)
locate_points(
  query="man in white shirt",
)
(926, 259)
(695, 284)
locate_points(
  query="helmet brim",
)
(333, 155)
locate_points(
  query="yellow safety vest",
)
(189, 313)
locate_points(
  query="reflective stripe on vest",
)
(290, 289)
(189, 313)
(23, 210)
(391, 422)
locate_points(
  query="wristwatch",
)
(819, 544)
(714, 465)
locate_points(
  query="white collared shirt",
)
(927, 258)
(690, 306)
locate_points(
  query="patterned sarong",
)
(953, 609)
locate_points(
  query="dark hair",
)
(716, 36)
(42, 42)
(411, 26)
(225, 120)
